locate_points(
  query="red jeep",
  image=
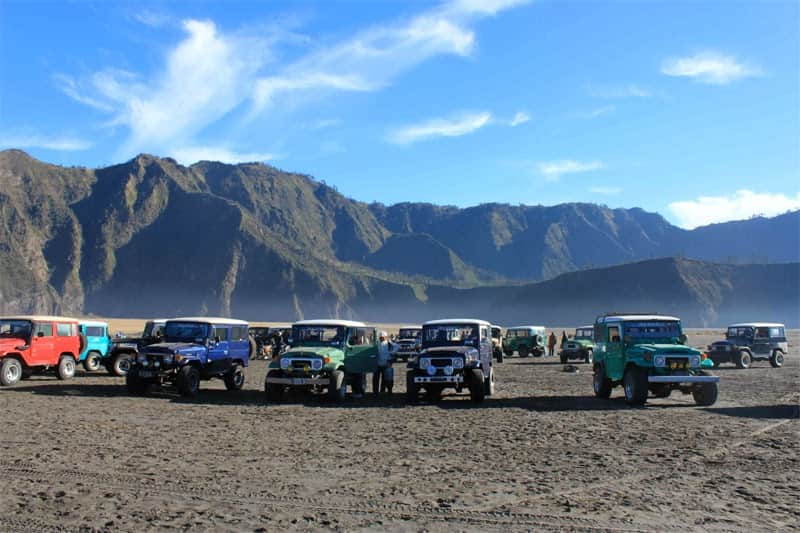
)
(32, 344)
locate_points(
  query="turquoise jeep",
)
(324, 357)
(525, 340)
(98, 343)
(581, 346)
(649, 353)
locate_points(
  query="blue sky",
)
(689, 109)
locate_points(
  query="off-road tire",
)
(234, 378)
(488, 383)
(662, 390)
(82, 342)
(337, 389)
(600, 383)
(589, 359)
(274, 392)
(93, 362)
(634, 383)
(433, 392)
(120, 364)
(508, 353)
(477, 388)
(744, 360)
(66, 367)
(564, 358)
(10, 371)
(523, 351)
(135, 384)
(705, 394)
(252, 352)
(412, 389)
(776, 360)
(188, 381)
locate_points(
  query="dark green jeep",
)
(649, 353)
(581, 346)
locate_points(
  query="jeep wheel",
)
(358, 383)
(66, 367)
(412, 389)
(337, 390)
(601, 384)
(777, 359)
(634, 382)
(188, 381)
(135, 384)
(498, 354)
(705, 394)
(92, 362)
(10, 371)
(434, 392)
(477, 389)
(120, 364)
(743, 361)
(234, 379)
(564, 358)
(508, 353)
(523, 351)
(662, 390)
(488, 383)
(274, 391)
(589, 359)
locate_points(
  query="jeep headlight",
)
(458, 362)
(424, 363)
(168, 359)
(471, 355)
(316, 364)
(431, 370)
(141, 358)
(156, 363)
(694, 360)
(659, 360)
(285, 362)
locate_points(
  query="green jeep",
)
(324, 357)
(648, 353)
(581, 346)
(525, 340)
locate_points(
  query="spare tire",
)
(82, 343)
(539, 340)
(253, 352)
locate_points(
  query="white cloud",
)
(62, 144)
(597, 112)
(605, 191)
(521, 117)
(740, 205)
(192, 154)
(151, 18)
(440, 127)
(709, 67)
(553, 170)
(616, 91)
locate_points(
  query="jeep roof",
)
(331, 322)
(527, 327)
(209, 320)
(93, 323)
(757, 325)
(473, 321)
(625, 318)
(40, 318)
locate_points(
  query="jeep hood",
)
(174, 348)
(439, 350)
(9, 344)
(583, 342)
(677, 349)
(315, 351)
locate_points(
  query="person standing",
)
(551, 344)
(386, 351)
(563, 338)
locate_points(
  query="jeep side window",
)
(65, 330)
(44, 330)
(220, 333)
(613, 334)
(762, 333)
(238, 333)
(358, 337)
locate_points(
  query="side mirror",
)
(40, 334)
(216, 340)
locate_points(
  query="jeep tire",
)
(589, 359)
(92, 362)
(66, 367)
(634, 383)
(10, 371)
(523, 351)
(662, 390)
(273, 392)
(135, 384)
(488, 383)
(234, 378)
(337, 389)
(705, 394)
(600, 383)
(188, 381)
(743, 360)
(564, 358)
(477, 387)
(120, 364)
(412, 389)
(776, 359)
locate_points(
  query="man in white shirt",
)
(386, 351)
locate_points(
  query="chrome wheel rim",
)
(13, 373)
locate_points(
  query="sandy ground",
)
(543, 454)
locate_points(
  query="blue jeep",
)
(191, 350)
(98, 343)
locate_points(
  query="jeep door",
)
(239, 344)
(43, 344)
(761, 342)
(219, 349)
(361, 350)
(615, 352)
(485, 348)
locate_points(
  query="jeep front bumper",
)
(439, 379)
(312, 380)
(683, 379)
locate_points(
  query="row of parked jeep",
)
(642, 353)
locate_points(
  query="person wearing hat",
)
(386, 351)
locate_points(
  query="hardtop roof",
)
(330, 322)
(216, 321)
(441, 321)
(40, 318)
(757, 325)
(526, 327)
(93, 323)
(629, 318)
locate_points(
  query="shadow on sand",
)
(758, 411)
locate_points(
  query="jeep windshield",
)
(513, 333)
(584, 334)
(450, 335)
(739, 333)
(186, 332)
(15, 329)
(152, 329)
(652, 332)
(317, 335)
(410, 333)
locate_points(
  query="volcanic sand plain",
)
(542, 454)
